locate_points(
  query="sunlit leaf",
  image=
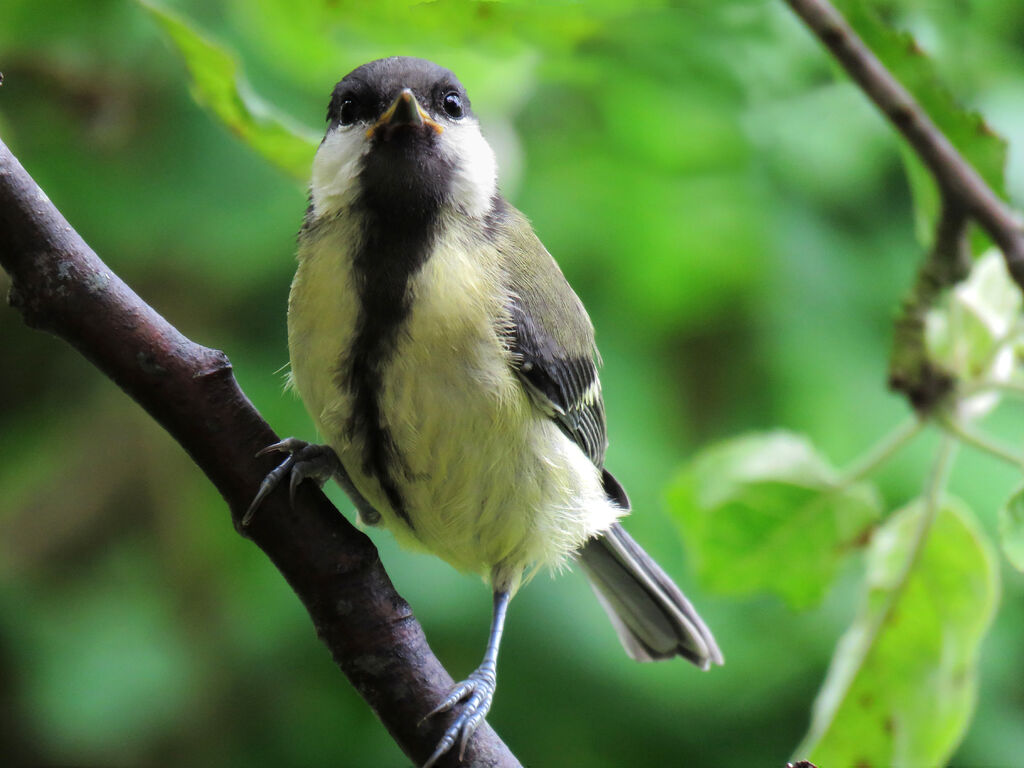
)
(903, 681)
(970, 334)
(219, 85)
(1011, 529)
(767, 513)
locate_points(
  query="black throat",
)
(403, 184)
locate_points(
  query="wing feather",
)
(550, 336)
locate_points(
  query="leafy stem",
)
(933, 489)
(881, 451)
(931, 499)
(979, 441)
(868, 640)
(963, 187)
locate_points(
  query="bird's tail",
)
(653, 618)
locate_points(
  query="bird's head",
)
(400, 132)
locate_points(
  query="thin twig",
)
(981, 442)
(60, 285)
(954, 175)
(882, 451)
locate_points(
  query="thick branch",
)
(957, 179)
(61, 286)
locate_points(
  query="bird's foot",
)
(304, 461)
(478, 692)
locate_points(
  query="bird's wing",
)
(562, 384)
(551, 339)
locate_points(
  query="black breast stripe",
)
(399, 204)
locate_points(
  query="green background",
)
(737, 221)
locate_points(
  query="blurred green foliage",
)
(218, 85)
(765, 513)
(737, 221)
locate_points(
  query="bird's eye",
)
(452, 104)
(347, 113)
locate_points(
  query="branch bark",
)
(965, 196)
(958, 182)
(61, 286)
(911, 369)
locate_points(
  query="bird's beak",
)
(405, 110)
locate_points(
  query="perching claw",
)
(307, 461)
(478, 687)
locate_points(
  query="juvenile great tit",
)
(451, 369)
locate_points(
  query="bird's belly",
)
(485, 480)
(470, 445)
(490, 484)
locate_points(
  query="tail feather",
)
(653, 618)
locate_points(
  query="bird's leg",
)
(313, 462)
(478, 687)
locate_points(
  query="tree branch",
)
(911, 369)
(60, 285)
(958, 182)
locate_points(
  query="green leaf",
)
(968, 132)
(501, 26)
(766, 513)
(1011, 529)
(925, 194)
(903, 680)
(218, 85)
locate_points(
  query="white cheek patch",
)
(335, 169)
(337, 165)
(475, 178)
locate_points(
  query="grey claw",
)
(456, 695)
(479, 687)
(444, 745)
(269, 483)
(308, 462)
(288, 445)
(293, 484)
(304, 461)
(469, 728)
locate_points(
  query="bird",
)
(453, 373)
